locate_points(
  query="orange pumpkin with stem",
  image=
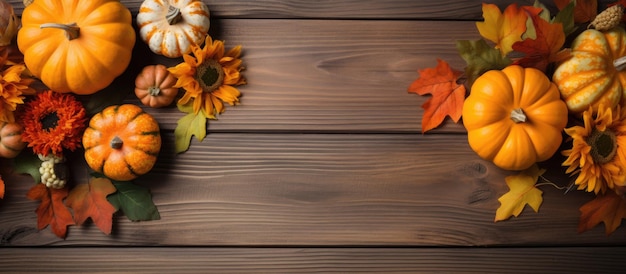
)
(154, 86)
(122, 142)
(514, 117)
(76, 46)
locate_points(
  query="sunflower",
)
(52, 122)
(209, 76)
(598, 151)
(12, 88)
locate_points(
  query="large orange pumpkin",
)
(514, 117)
(74, 45)
(122, 142)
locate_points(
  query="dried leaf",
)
(90, 201)
(545, 48)
(584, 10)
(522, 192)
(188, 126)
(447, 95)
(480, 58)
(135, 201)
(608, 208)
(504, 29)
(51, 211)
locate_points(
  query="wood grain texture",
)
(314, 260)
(316, 75)
(322, 189)
(342, 9)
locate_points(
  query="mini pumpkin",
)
(8, 23)
(514, 117)
(154, 86)
(11, 143)
(171, 27)
(76, 46)
(122, 142)
(595, 73)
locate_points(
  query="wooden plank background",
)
(322, 168)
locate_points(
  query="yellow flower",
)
(209, 76)
(12, 87)
(598, 151)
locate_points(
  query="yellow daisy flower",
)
(598, 151)
(209, 76)
(12, 89)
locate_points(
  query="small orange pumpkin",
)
(154, 86)
(10, 140)
(122, 142)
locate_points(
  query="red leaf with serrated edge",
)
(51, 210)
(545, 48)
(90, 201)
(608, 208)
(447, 95)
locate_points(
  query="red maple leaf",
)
(609, 208)
(545, 48)
(447, 95)
(90, 201)
(51, 210)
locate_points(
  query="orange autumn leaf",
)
(584, 10)
(447, 95)
(504, 29)
(90, 201)
(1, 188)
(545, 48)
(51, 210)
(609, 208)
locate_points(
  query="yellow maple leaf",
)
(522, 191)
(504, 29)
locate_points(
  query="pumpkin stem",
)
(116, 143)
(620, 63)
(518, 116)
(154, 91)
(71, 30)
(173, 15)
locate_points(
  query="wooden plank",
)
(328, 75)
(321, 190)
(395, 9)
(313, 260)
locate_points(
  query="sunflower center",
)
(50, 121)
(210, 75)
(603, 146)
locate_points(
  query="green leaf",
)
(135, 201)
(566, 17)
(28, 163)
(188, 126)
(480, 58)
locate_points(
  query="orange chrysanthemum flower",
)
(12, 88)
(209, 76)
(52, 122)
(598, 151)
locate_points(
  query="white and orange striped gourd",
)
(171, 27)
